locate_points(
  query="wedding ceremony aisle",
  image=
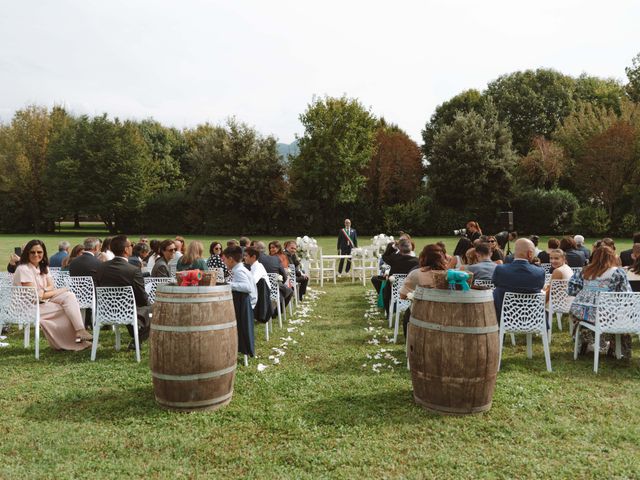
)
(327, 397)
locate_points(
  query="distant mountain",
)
(287, 150)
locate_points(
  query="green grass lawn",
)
(321, 412)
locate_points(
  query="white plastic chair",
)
(275, 294)
(6, 279)
(524, 313)
(294, 284)
(20, 305)
(547, 278)
(115, 306)
(576, 269)
(84, 290)
(616, 313)
(559, 302)
(315, 265)
(60, 278)
(219, 274)
(395, 295)
(328, 268)
(151, 286)
(547, 267)
(401, 305)
(483, 283)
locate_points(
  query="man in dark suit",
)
(400, 261)
(625, 255)
(272, 265)
(120, 273)
(347, 239)
(86, 265)
(520, 276)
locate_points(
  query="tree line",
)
(562, 153)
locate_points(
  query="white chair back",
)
(274, 290)
(21, 306)
(151, 286)
(396, 285)
(219, 273)
(115, 306)
(618, 312)
(559, 299)
(60, 278)
(483, 283)
(84, 290)
(6, 279)
(547, 267)
(576, 269)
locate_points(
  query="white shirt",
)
(243, 282)
(173, 263)
(258, 271)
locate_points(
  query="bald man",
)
(521, 276)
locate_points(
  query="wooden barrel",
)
(193, 347)
(453, 350)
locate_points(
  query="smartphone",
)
(17, 251)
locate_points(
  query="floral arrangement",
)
(358, 252)
(380, 242)
(305, 245)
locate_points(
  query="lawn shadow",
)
(391, 407)
(95, 406)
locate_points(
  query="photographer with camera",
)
(472, 232)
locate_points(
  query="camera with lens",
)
(461, 233)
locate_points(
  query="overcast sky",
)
(187, 62)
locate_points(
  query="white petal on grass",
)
(262, 367)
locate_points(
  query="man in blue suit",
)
(521, 276)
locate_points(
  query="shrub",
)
(592, 221)
(542, 211)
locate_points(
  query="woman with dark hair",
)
(574, 257)
(431, 259)
(460, 252)
(215, 261)
(552, 244)
(161, 267)
(105, 253)
(275, 250)
(154, 246)
(75, 252)
(601, 275)
(60, 316)
(497, 255)
(633, 272)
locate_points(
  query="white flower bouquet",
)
(380, 243)
(305, 245)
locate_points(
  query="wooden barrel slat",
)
(453, 350)
(194, 346)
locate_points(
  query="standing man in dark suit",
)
(120, 273)
(520, 276)
(347, 239)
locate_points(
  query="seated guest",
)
(431, 259)
(552, 244)
(561, 271)
(290, 250)
(106, 254)
(459, 252)
(119, 273)
(401, 262)
(611, 244)
(633, 272)
(63, 250)
(273, 265)
(179, 244)
(263, 310)
(535, 239)
(579, 239)
(215, 261)
(192, 260)
(258, 271)
(520, 276)
(497, 255)
(483, 270)
(139, 255)
(161, 267)
(601, 275)
(60, 316)
(154, 252)
(75, 252)
(625, 256)
(86, 264)
(244, 242)
(275, 250)
(233, 243)
(447, 257)
(574, 257)
(242, 278)
(470, 257)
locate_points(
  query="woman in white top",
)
(561, 271)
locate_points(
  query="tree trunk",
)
(76, 220)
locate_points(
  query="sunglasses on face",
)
(171, 250)
(492, 241)
(36, 252)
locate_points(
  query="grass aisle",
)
(334, 401)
